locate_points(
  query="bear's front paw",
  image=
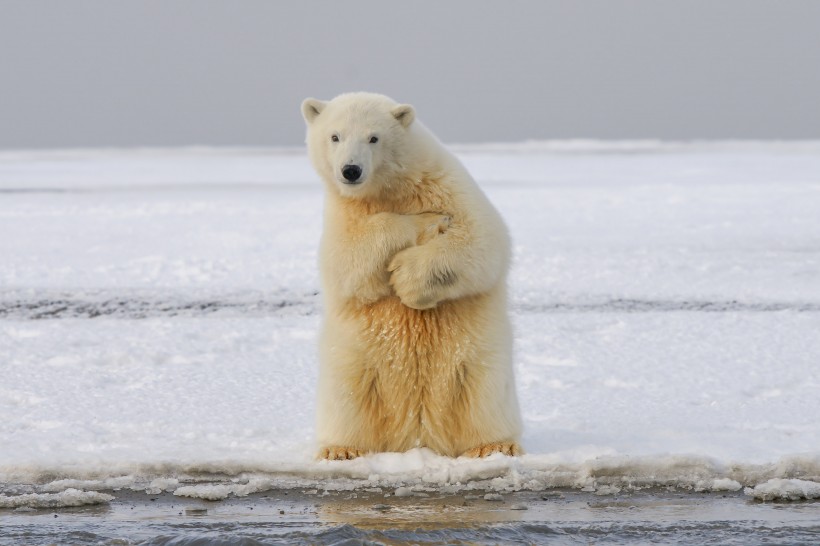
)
(506, 448)
(416, 281)
(339, 453)
(429, 225)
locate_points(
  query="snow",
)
(159, 309)
(785, 490)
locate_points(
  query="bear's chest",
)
(405, 339)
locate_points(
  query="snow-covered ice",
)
(159, 310)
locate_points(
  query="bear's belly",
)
(417, 371)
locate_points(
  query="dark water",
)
(293, 518)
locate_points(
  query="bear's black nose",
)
(351, 173)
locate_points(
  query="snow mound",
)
(64, 499)
(785, 490)
(724, 484)
(222, 491)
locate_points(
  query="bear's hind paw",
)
(338, 453)
(507, 448)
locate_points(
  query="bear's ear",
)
(404, 114)
(312, 108)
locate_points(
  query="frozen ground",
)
(158, 317)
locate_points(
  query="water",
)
(289, 517)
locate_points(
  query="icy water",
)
(280, 517)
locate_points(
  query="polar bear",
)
(416, 345)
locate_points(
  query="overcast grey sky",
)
(164, 73)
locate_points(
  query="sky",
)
(233, 73)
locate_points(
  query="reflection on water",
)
(428, 514)
(522, 518)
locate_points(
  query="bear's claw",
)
(507, 448)
(338, 453)
(432, 225)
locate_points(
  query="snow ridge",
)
(421, 470)
(82, 305)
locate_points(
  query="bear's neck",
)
(428, 192)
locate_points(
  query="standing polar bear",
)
(416, 348)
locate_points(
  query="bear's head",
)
(358, 141)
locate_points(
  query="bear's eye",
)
(374, 139)
(335, 138)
